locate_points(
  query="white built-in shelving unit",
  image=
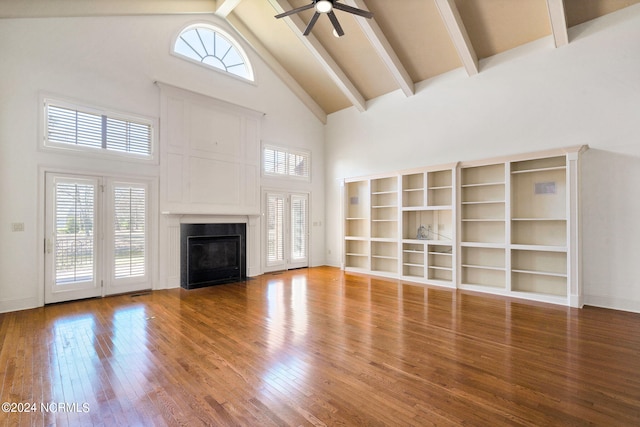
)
(357, 225)
(483, 226)
(412, 225)
(507, 226)
(384, 225)
(539, 227)
(428, 225)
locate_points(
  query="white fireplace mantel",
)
(170, 242)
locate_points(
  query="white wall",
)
(531, 98)
(112, 62)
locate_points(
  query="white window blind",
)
(281, 161)
(299, 164)
(299, 227)
(128, 137)
(275, 228)
(74, 232)
(274, 161)
(67, 125)
(129, 230)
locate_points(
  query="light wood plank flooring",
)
(319, 347)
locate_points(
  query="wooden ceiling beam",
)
(69, 8)
(382, 46)
(459, 36)
(328, 64)
(225, 7)
(558, 20)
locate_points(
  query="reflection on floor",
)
(318, 347)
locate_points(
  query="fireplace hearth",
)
(212, 254)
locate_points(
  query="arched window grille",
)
(214, 48)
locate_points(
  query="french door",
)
(287, 230)
(96, 237)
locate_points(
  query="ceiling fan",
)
(327, 6)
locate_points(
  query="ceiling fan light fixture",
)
(324, 6)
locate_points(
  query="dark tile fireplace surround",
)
(212, 254)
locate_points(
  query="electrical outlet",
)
(17, 226)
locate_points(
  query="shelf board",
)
(384, 220)
(496, 290)
(384, 257)
(483, 220)
(384, 192)
(429, 242)
(538, 219)
(554, 168)
(442, 187)
(440, 253)
(483, 184)
(412, 189)
(484, 267)
(356, 254)
(384, 239)
(384, 206)
(356, 219)
(483, 245)
(539, 273)
(362, 238)
(408, 264)
(485, 202)
(412, 251)
(427, 208)
(541, 248)
(437, 267)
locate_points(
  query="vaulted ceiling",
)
(406, 42)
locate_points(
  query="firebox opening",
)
(212, 254)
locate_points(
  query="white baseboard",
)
(613, 303)
(7, 305)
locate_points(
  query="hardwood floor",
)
(319, 347)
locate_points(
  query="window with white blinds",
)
(298, 227)
(74, 232)
(275, 228)
(284, 162)
(90, 129)
(130, 224)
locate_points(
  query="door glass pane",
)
(275, 228)
(74, 234)
(298, 227)
(129, 231)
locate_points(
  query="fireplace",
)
(212, 254)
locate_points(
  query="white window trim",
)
(234, 42)
(288, 151)
(45, 145)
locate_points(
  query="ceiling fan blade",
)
(336, 24)
(314, 18)
(354, 10)
(296, 10)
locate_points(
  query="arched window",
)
(214, 48)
